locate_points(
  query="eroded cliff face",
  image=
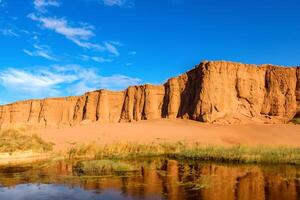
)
(214, 92)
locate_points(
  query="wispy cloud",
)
(8, 32)
(117, 43)
(41, 5)
(129, 64)
(98, 59)
(37, 84)
(101, 59)
(87, 45)
(114, 2)
(120, 3)
(40, 51)
(80, 35)
(110, 47)
(60, 80)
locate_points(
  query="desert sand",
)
(166, 130)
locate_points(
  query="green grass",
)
(195, 151)
(242, 154)
(102, 167)
(13, 140)
(116, 150)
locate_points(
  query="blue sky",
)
(66, 47)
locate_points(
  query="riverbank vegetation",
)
(102, 167)
(14, 140)
(194, 151)
(296, 120)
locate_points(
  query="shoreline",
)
(23, 158)
(238, 154)
(182, 139)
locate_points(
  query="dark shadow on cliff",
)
(190, 96)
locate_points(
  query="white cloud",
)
(101, 59)
(39, 54)
(41, 5)
(114, 2)
(40, 51)
(117, 43)
(8, 32)
(85, 58)
(87, 45)
(34, 84)
(111, 48)
(98, 59)
(61, 26)
(60, 80)
(78, 35)
(129, 64)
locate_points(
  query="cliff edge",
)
(213, 92)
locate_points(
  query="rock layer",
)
(214, 92)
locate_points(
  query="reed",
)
(13, 140)
(191, 151)
(102, 167)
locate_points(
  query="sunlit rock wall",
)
(214, 92)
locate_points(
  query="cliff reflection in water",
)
(163, 179)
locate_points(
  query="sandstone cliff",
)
(214, 92)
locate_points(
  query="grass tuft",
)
(296, 120)
(12, 140)
(101, 167)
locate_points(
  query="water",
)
(157, 178)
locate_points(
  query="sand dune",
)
(172, 131)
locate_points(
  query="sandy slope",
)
(174, 130)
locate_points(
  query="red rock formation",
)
(214, 92)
